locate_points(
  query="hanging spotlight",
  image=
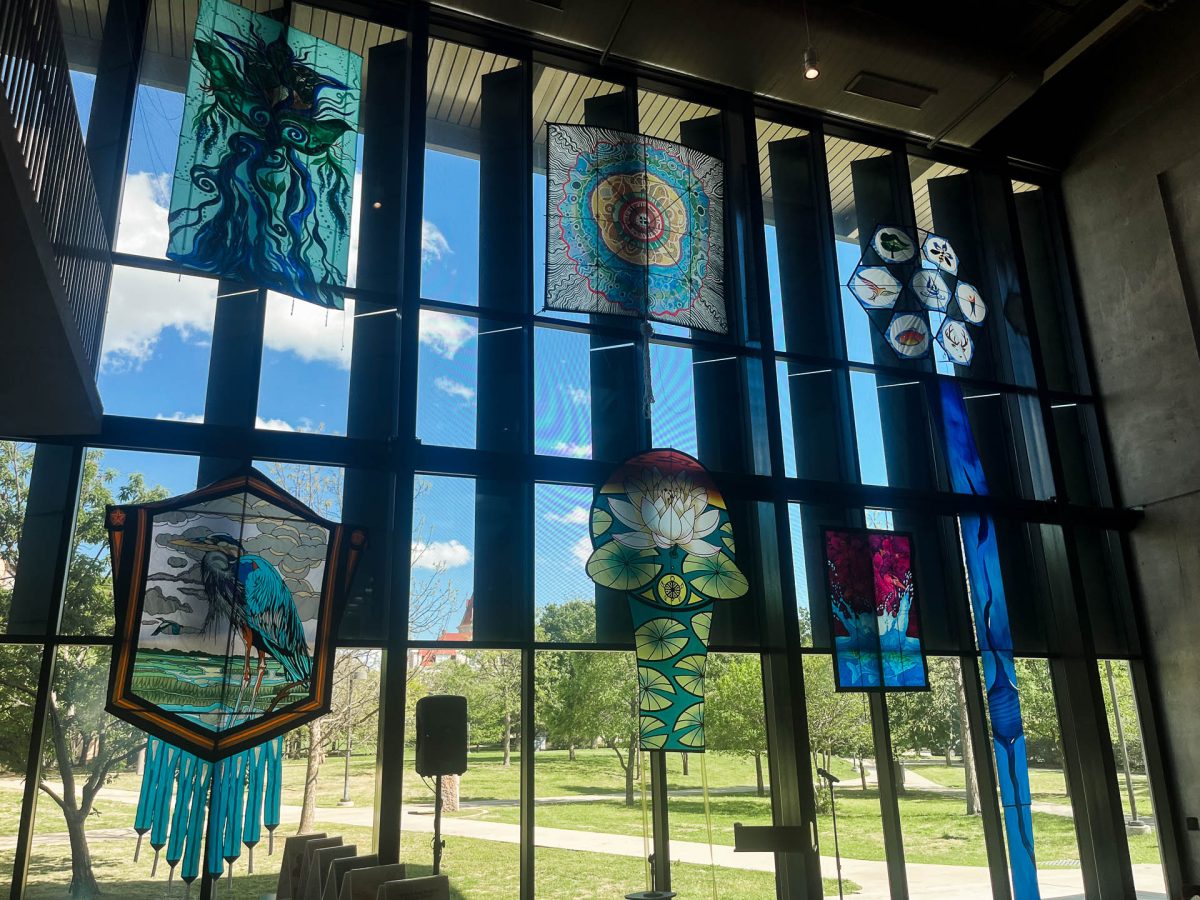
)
(811, 69)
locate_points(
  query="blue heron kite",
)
(248, 591)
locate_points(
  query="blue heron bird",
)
(247, 591)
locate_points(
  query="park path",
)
(914, 779)
(925, 880)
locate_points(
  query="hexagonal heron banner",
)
(227, 602)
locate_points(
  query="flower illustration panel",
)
(872, 593)
(267, 149)
(635, 227)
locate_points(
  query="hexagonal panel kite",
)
(907, 283)
(227, 603)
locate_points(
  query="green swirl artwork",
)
(661, 533)
(264, 176)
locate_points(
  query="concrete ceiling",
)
(980, 66)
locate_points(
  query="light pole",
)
(1134, 825)
(356, 676)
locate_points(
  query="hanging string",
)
(712, 862)
(647, 376)
(645, 819)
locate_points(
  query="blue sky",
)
(156, 353)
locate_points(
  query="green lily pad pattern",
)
(655, 690)
(660, 639)
(689, 673)
(622, 568)
(689, 727)
(716, 576)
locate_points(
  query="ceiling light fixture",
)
(811, 67)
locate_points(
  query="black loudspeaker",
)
(441, 735)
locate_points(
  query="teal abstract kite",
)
(661, 533)
(264, 175)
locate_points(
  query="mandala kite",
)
(635, 228)
(908, 284)
(263, 179)
(661, 533)
(877, 636)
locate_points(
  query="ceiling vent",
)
(889, 90)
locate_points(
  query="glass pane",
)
(150, 170)
(564, 594)
(841, 743)
(157, 338)
(19, 669)
(562, 392)
(319, 488)
(112, 476)
(800, 573)
(674, 410)
(16, 469)
(482, 806)
(447, 379)
(733, 771)
(1011, 441)
(1050, 294)
(810, 414)
(328, 783)
(939, 795)
(585, 779)
(1053, 814)
(1133, 781)
(453, 141)
(892, 429)
(442, 588)
(305, 380)
(1077, 434)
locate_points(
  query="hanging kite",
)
(872, 592)
(635, 228)
(661, 533)
(907, 281)
(227, 601)
(263, 179)
(990, 605)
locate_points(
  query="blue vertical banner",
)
(995, 641)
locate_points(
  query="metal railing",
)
(36, 88)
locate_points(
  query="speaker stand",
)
(438, 843)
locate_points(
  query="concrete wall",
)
(1125, 124)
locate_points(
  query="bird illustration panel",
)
(264, 175)
(635, 228)
(872, 594)
(227, 602)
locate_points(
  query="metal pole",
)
(837, 853)
(1112, 690)
(438, 843)
(346, 801)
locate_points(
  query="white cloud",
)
(570, 448)
(577, 516)
(305, 425)
(177, 416)
(145, 203)
(582, 549)
(433, 243)
(439, 555)
(311, 332)
(454, 388)
(446, 334)
(579, 396)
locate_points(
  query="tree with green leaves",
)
(586, 696)
(85, 745)
(735, 719)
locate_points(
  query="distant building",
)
(426, 657)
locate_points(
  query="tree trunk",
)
(862, 772)
(83, 879)
(964, 728)
(759, 775)
(949, 755)
(685, 764)
(629, 770)
(571, 753)
(507, 737)
(308, 811)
